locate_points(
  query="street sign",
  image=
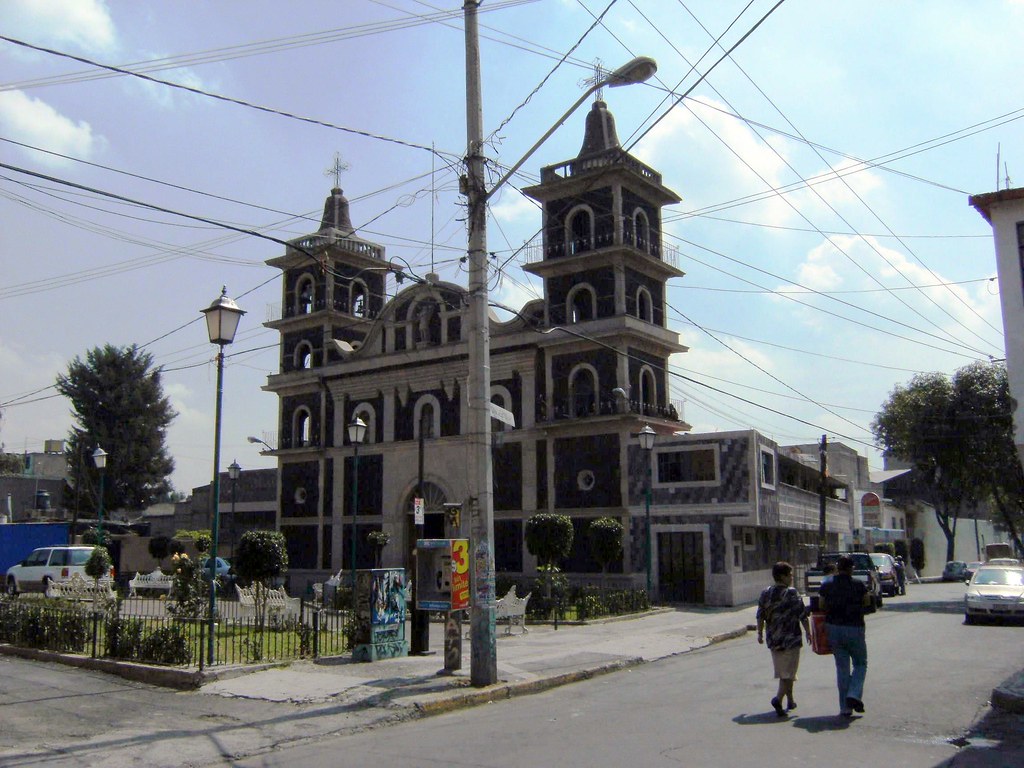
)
(417, 510)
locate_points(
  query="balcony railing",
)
(586, 407)
(535, 251)
(312, 243)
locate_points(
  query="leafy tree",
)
(12, 464)
(605, 537)
(261, 557)
(549, 538)
(985, 409)
(118, 403)
(958, 433)
(159, 548)
(99, 563)
(201, 539)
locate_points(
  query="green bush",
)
(887, 547)
(190, 591)
(917, 555)
(167, 645)
(124, 637)
(45, 627)
(901, 549)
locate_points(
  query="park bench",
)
(279, 605)
(155, 580)
(512, 609)
(80, 588)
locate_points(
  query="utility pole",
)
(484, 662)
(822, 490)
(420, 619)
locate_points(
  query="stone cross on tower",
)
(600, 73)
(337, 169)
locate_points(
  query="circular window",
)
(300, 495)
(585, 480)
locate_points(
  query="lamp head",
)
(234, 470)
(252, 439)
(356, 430)
(222, 318)
(646, 437)
(636, 71)
(99, 458)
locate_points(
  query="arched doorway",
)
(434, 499)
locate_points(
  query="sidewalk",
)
(543, 658)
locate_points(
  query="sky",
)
(824, 167)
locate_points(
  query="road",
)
(929, 680)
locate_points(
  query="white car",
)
(46, 564)
(995, 592)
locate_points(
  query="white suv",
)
(46, 564)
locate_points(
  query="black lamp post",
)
(222, 318)
(99, 458)
(233, 472)
(356, 433)
(646, 437)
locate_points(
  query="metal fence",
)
(147, 634)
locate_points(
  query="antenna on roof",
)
(1007, 170)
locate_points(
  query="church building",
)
(582, 371)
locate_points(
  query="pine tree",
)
(118, 404)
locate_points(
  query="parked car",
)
(888, 583)
(222, 568)
(972, 566)
(954, 570)
(995, 592)
(46, 564)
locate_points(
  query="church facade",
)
(582, 371)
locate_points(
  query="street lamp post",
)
(99, 458)
(484, 664)
(233, 472)
(222, 318)
(356, 433)
(646, 437)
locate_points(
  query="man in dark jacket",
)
(843, 600)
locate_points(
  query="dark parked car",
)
(955, 570)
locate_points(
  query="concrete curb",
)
(502, 691)
(165, 677)
(448, 703)
(1009, 696)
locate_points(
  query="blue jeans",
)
(849, 645)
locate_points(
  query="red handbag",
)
(819, 635)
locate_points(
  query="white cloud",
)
(513, 207)
(82, 24)
(35, 122)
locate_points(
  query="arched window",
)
(501, 397)
(427, 414)
(643, 230)
(581, 304)
(304, 292)
(365, 412)
(583, 391)
(304, 355)
(644, 305)
(648, 390)
(358, 299)
(581, 230)
(302, 428)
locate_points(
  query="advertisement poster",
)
(460, 574)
